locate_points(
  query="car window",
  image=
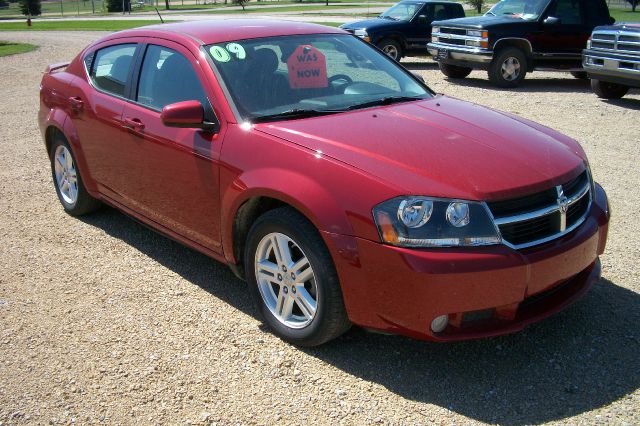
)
(437, 12)
(111, 68)
(568, 11)
(168, 77)
(323, 72)
(401, 11)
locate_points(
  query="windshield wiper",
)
(292, 114)
(490, 13)
(384, 101)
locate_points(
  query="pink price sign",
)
(307, 68)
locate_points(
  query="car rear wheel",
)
(608, 90)
(508, 68)
(391, 48)
(453, 71)
(67, 180)
(292, 279)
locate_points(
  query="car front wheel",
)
(608, 90)
(292, 279)
(67, 180)
(508, 68)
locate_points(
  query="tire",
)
(289, 312)
(391, 48)
(68, 182)
(453, 71)
(608, 90)
(508, 67)
(580, 75)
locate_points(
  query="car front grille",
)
(543, 216)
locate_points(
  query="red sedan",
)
(334, 181)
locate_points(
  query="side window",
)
(111, 67)
(439, 12)
(454, 11)
(568, 11)
(167, 77)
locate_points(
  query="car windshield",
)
(289, 77)
(529, 10)
(401, 11)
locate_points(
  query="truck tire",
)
(391, 48)
(508, 68)
(608, 90)
(454, 71)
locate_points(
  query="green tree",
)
(478, 4)
(116, 5)
(30, 7)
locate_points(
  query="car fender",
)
(309, 196)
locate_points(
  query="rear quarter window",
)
(110, 68)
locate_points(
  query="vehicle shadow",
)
(419, 66)
(581, 359)
(628, 103)
(214, 277)
(530, 84)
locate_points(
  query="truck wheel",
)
(580, 75)
(608, 90)
(453, 71)
(508, 67)
(391, 48)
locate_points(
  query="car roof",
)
(218, 31)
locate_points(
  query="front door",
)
(174, 172)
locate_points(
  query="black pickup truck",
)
(405, 28)
(612, 59)
(518, 36)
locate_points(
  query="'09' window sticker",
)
(223, 54)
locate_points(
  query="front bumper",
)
(485, 291)
(612, 67)
(455, 54)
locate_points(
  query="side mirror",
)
(551, 20)
(186, 114)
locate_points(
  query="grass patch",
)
(10, 48)
(93, 25)
(329, 24)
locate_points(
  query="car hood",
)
(441, 147)
(370, 24)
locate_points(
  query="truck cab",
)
(405, 28)
(516, 36)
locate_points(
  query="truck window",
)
(568, 11)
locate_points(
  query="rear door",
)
(97, 104)
(172, 173)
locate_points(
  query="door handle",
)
(133, 124)
(76, 103)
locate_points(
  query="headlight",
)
(478, 33)
(589, 43)
(434, 222)
(361, 33)
(435, 30)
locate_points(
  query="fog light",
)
(439, 323)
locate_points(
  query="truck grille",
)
(543, 216)
(615, 41)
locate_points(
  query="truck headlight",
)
(362, 33)
(435, 30)
(434, 222)
(478, 33)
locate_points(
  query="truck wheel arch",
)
(520, 43)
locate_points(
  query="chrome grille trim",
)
(560, 208)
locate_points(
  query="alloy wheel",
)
(66, 175)
(511, 69)
(286, 280)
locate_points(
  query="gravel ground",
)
(102, 320)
